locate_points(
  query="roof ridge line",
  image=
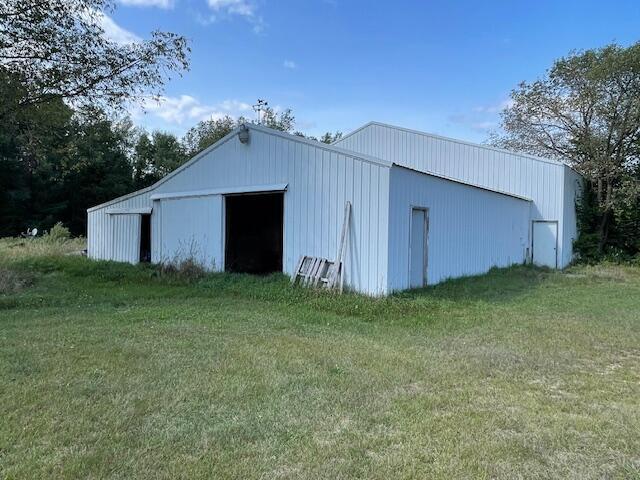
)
(456, 140)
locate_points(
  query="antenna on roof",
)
(259, 108)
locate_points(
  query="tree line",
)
(62, 81)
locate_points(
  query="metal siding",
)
(192, 228)
(470, 230)
(156, 232)
(116, 237)
(542, 181)
(126, 238)
(313, 210)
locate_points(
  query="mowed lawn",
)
(115, 371)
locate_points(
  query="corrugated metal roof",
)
(454, 140)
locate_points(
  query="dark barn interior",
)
(253, 233)
(145, 238)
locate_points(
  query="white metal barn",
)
(259, 199)
(552, 186)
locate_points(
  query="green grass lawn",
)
(110, 370)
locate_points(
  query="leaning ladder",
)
(318, 271)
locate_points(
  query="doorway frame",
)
(223, 219)
(425, 246)
(144, 216)
(533, 238)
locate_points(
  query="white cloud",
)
(258, 25)
(235, 106)
(484, 126)
(205, 20)
(233, 7)
(484, 118)
(495, 108)
(186, 110)
(148, 3)
(111, 29)
(290, 64)
(116, 33)
(243, 8)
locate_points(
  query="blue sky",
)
(445, 67)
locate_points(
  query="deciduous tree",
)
(207, 133)
(59, 49)
(586, 112)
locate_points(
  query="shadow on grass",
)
(499, 285)
(146, 283)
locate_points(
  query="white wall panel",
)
(541, 180)
(191, 228)
(125, 243)
(470, 229)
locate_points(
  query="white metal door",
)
(418, 248)
(126, 238)
(545, 243)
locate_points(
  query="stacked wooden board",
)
(321, 272)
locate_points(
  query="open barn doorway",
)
(145, 238)
(253, 233)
